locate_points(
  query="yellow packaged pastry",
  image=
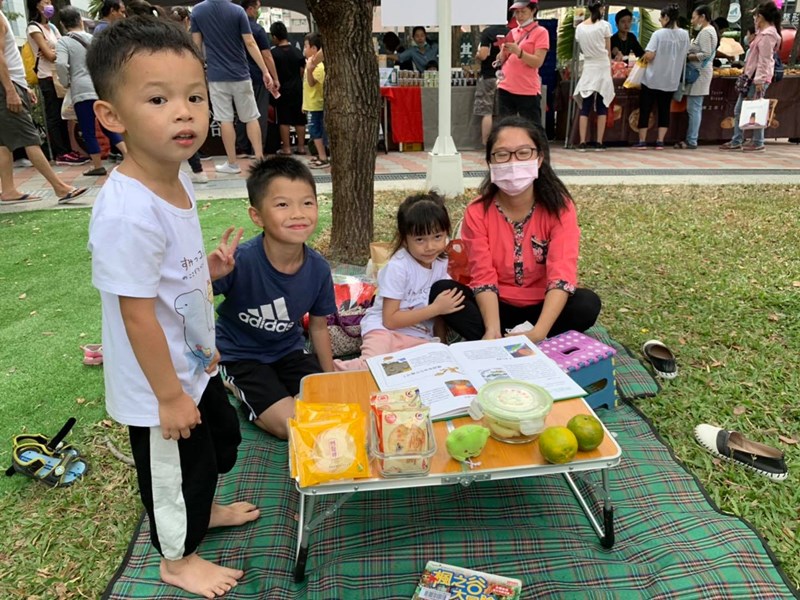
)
(329, 450)
(316, 412)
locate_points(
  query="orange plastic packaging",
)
(331, 449)
(403, 399)
(317, 412)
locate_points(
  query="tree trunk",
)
(723, 7)
(475, 32)
(455, 57)
(747, 16)
(352, 116)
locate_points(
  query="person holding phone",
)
(519, 87)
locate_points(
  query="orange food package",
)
(317, 412)
(403, 399)
(329, 450)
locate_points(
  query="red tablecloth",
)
(405, 104)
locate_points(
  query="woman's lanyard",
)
(527, 33)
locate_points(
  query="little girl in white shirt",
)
(401, 316)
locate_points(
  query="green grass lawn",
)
(712, 271)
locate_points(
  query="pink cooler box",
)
(589, 363)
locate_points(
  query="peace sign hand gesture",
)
(220, 261)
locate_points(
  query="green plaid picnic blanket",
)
(671, 541)
(633, 379)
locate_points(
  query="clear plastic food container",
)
(401, 465)
(513, 410)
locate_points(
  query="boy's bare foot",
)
(229, 515)
(199, 576)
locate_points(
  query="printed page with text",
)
(449, 377)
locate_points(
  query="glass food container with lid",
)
(513, 410)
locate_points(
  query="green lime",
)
(558, 445)
(588, 431)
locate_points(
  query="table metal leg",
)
(303, 532)
(304, 529)
(606, 531)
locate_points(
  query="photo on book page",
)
(449, 377)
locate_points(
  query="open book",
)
(449, 377)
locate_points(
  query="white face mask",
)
(514, 177)
(526, 23)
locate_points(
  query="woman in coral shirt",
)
(522, 238)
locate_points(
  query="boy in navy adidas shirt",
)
(277, 280)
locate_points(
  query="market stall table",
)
(497, 461)
(717, 121)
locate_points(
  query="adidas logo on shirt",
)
(269, 317)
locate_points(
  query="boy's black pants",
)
(177, 479)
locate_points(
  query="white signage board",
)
(407, 13)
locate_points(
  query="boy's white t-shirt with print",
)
(144, 247)
(404, 279)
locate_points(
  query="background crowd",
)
(249, 69)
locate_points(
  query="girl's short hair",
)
(421, 214)
(549, 192)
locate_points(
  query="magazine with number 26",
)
(440, 581)
(449, 377)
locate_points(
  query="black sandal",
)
(662, 359)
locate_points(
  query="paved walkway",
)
(780, 163)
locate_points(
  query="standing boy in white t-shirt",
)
(150, 265)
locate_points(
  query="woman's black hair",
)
(673, 13)
(179, 14)
(549, 192)
(705, 11)
(34, 14)
(391, 41)
(770, 12)
(419, 28)
(595, 9)
(141, 8)
(421, 214)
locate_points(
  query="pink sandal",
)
(92, 354)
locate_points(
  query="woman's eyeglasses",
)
(503, 156)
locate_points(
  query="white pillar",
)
(445, 171)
